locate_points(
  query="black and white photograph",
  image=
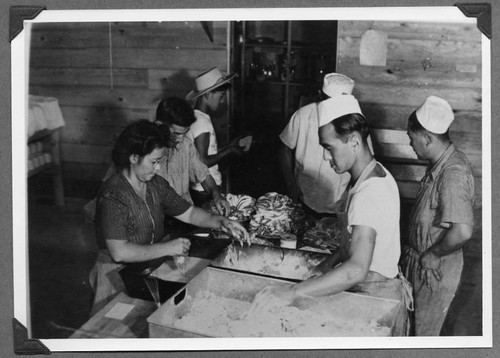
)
(252, 179)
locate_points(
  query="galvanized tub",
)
(270, 261)
(343, 314)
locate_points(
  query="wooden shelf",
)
(40, 135)
(46, 167)
(291, 51)
(50, 140)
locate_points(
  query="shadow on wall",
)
(96, 137)
(178, 84)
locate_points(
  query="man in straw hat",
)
(367, 260)
(211, 87)
(441, 221)
(308, 177)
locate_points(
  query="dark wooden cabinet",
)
(280, 66)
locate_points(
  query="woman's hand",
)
(178, 247)
(236, 230)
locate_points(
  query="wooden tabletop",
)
(132, 325)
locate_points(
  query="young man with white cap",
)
(441, 221)
(211, 87)
(367, 260)
(309, 179)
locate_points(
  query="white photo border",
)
(20, 75)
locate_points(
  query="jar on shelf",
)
(320, 68)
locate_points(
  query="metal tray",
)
(360, 309)
(270, 261)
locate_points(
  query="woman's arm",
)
(113, 220)
(126, 251)
(202, 218)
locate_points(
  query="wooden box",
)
(371, 316)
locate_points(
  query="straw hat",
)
(336, 107)
(209, 81)
(435, 115)
(336, 84)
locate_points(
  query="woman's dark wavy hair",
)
(350, 123)
(141, 138)
(175, 110)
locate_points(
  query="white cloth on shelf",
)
(44, 113)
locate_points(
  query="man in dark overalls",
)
(441, 221)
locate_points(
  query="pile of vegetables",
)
(242, 206)
(273, 215)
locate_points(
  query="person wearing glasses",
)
(183, 165)
(131, 208)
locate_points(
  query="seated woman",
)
(131, 206)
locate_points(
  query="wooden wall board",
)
(172, 78)
(417, 50)
(165, 35)
(469, 143)
(102, 89)
(196, 59)
(102, 116)
(406, 172)
(388, 94)
(90, 172)
(96, 96)
(388, 116)
(412, 73)
(459, 98)
(81, 153)
(413, 30)
(105, 77)
(91, 135)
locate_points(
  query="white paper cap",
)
(335, 84)
(336, 107)
(435, 115)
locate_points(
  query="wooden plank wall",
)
(388, 94)
(106, 75)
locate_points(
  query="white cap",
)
(435, 115)
(336, 107)
(335, 84)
